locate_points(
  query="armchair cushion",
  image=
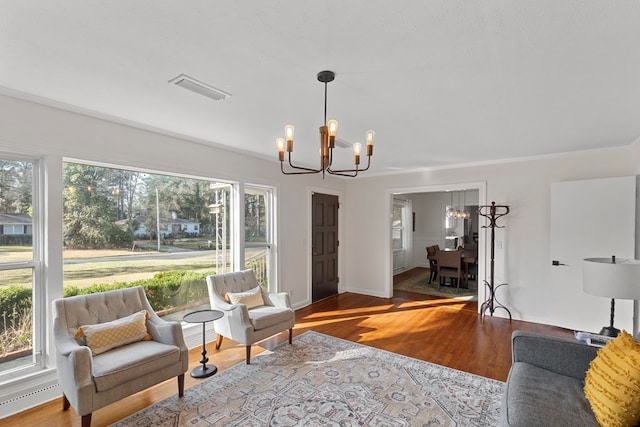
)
(105, 336)
(266, 316)
(612, 384)
(145, 357)
(251, 298)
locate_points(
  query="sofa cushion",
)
(266, 316)
(102, 337)
(251, 298)
(132, 361)
(612, 384)
(538, 397)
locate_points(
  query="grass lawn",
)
(88, 273)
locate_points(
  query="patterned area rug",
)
(325, 381)
(420, 284)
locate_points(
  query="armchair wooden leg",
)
(65, 402)
(86, 420)
(219, 342)
(290, 335)
(248, 354)
(181, 385)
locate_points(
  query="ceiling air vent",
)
(343, 144)
(196, 86)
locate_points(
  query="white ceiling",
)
(441, 82)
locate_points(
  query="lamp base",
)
(609, 331)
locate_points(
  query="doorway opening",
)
(444, 216)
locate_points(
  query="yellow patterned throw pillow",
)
(105, 336)
(251, 298)
(612, 384)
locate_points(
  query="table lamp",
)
(611, 278)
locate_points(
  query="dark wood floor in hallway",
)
(448, 332)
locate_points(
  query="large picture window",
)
(122, 228)
(20, 267)
(166, 233)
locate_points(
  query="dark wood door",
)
(324, 249)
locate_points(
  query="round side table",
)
(203, 316)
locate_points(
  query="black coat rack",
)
(494, 212)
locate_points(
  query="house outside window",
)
(125, 228)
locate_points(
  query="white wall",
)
(524, 260)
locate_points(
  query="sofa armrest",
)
(563, 356)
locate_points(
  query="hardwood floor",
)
(448, 332)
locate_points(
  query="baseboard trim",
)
(31, 393)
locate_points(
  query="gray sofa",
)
(545, 383)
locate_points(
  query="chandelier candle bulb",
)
(280, 145)
(356, 153)
(370, 135)
(333, 131)
(288, 132)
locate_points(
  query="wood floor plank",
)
(448, 332)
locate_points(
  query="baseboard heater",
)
(25, 399)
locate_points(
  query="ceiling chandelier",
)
(461, 213)
(451, 211)
(327, 143)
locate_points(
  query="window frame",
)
(269, 245)
(39, 351)
(402, 228)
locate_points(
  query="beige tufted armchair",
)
(248, 325)
(89, 381)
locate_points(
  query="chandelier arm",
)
(356, 170)
(342, 173)
(302, 172)
(330, 158)
(310, 170)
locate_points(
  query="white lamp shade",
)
(620, 280)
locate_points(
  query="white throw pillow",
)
(251, 298)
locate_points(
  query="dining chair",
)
(471, 252)
(450, 265)
(433, 262)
